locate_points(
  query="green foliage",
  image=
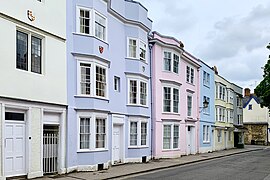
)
(263, 89)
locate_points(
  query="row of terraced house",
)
(87, 84)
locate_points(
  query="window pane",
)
(167, 99)
(167, 61)
(175, 63)
(36, 55)
(84, 133)
(85, 79)
(166, 136)
(142, 50)
(85, 21)
(100, 26)
(175, 136)
(22, 51)
(143, 94)
(189, 104)
(100, 133)
(143, 133)
(133, 92)
(133, 133)
(132, 48)
(175, 100)
(100, 81)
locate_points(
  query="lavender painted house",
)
(175, 88)
(207, 115)
(108, 84)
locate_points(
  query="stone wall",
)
(256, 134)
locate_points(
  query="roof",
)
(247, 99)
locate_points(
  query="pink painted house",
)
(175, 88)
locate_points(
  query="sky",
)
(231, 35)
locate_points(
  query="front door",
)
(117, 148)
(14, 149)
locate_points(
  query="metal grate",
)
(50, 152)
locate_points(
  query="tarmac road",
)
(247, 166)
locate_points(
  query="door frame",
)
(118, 120)
(21, 109)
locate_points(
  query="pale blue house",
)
(108, 77)
(207, 115)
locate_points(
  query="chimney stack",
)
(247, 92)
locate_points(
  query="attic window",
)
(250, 107)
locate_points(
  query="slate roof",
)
(247, 99)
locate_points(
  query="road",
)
(247, 166)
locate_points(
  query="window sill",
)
(90, 35)
(192, 84)
(175, 149)
(166, 71)
(94, 150)
(30, 72)
(137, 147)
(171, 113)
(137, 105)
(206, 142)
(206, 85)
(88, 96)
(137, 59)
(204, 113)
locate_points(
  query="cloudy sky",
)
(231, 34)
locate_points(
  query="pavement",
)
(124, 170)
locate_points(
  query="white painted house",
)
(33, 87)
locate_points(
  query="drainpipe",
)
(151, 94)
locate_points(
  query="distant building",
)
(207, 115)
(175, 87)
(255, 119)
(224, 105)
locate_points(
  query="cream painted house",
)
(33, 87)
(223, 136)
(255, 119)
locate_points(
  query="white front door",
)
(14, 149)
(117, 148)
(188, 140)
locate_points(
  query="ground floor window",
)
(92, 131)
(219, 135)
(206, 132)
(138, 132)
(170, 136)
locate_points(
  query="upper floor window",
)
(92, 23)
(170, 99)
(230, 96)
(189, 105)
(250, 107)
(206, 78)
(137, 91)
(239, 102)
(100, 26)
(170, 64)
(92, 79)
(207, 109)
(117, 84)
(220, 114)
(85, 21)
(220, 92)
(24, 50)
(190, 75)
(136, 49)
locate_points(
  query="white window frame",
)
(221, 92)
(139, 121)
(171, 124)
(191, 109)
(138, 79)
(138, 49)
(92, 13)
(220, 114)
(173, 54)
(206, 134)
(172, 87)
(31, 34)
(190, 78)
(92, 143)
(116, 84)
(206, 79)
(93, 63)
(94, 25)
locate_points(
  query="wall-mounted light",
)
(205, 105)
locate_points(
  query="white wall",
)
(49, 15)
(257, 114)
(50, 86)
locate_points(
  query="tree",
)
(263, 89)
